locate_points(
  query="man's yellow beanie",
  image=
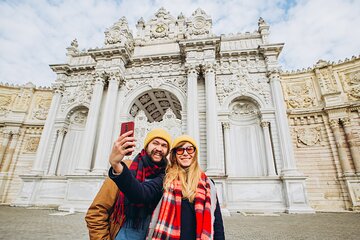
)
(157, 133)
(184, 138)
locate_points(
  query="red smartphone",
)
(125, 127)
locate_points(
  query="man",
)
(112, 215)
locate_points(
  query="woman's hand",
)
(122, 146)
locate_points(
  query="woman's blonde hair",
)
(188, 177)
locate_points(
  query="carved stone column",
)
(10, 152)
(4, 144)
(341, 147)
(350, 138)
(56, 154)
(106, 130)
(44, 144)
(211, 121)
(227, 143)
(287, 152)
(192, 103)
(268, 149)
(88, 141)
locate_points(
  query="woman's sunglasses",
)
(181, 150)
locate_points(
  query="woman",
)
(188, 208)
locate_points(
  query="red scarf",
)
(141, 167)
(168, 223)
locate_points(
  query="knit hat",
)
(184, 138)
(157, 133)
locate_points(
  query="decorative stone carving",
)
(79, 95)
(265, 124)
(119, 34)
(299, 95)
(156, 82)
(353, 85)
(134, 110)
(154, 104)
(226, 125)
(199, 24)
(79, 117)
(5, 102)
(326, 78)
(41, 109)
(74, 43)
(346, 121)
(169, 122)
(243, 109)
(334, 123)
(178, 82)
(31, 145)
(308, 137)
(242, 83)
(161, 23)
(22, 100)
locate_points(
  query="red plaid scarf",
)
(168, 223)
(141, 167)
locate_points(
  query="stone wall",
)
(315, 97)
(23, 111)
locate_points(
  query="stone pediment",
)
(198, 25)
(164, 27)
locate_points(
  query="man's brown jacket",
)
(99, 216)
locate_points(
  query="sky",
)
(35, 34)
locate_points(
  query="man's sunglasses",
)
(181, 150)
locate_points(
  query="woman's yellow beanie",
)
(157, 133)
(184, 138)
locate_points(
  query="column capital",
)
(62, 131)
(226, 125)
(192, 69)
(334, 123)
(99, 77)
(209, 68)
(273, 74)
(58, 88)
(6, 133)
(346, 121)
(15, 135)
(116, 78)
(265, 124)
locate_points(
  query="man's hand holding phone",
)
(123, 146)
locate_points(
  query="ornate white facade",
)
(259, 129)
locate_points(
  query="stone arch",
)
(71, 110)
(140, 91)
(69, 155)
(248, 95)
(247, 139)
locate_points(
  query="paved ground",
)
(32, 223)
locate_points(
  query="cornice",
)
(67, 69)
(199, 43)
(110, 52)
(271, 49)
(155, 58)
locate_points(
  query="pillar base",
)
(295, 195)
(99, 172)
(4, 179)
(214, 172)
(353, 185)
(81, 171)
(36, 172)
